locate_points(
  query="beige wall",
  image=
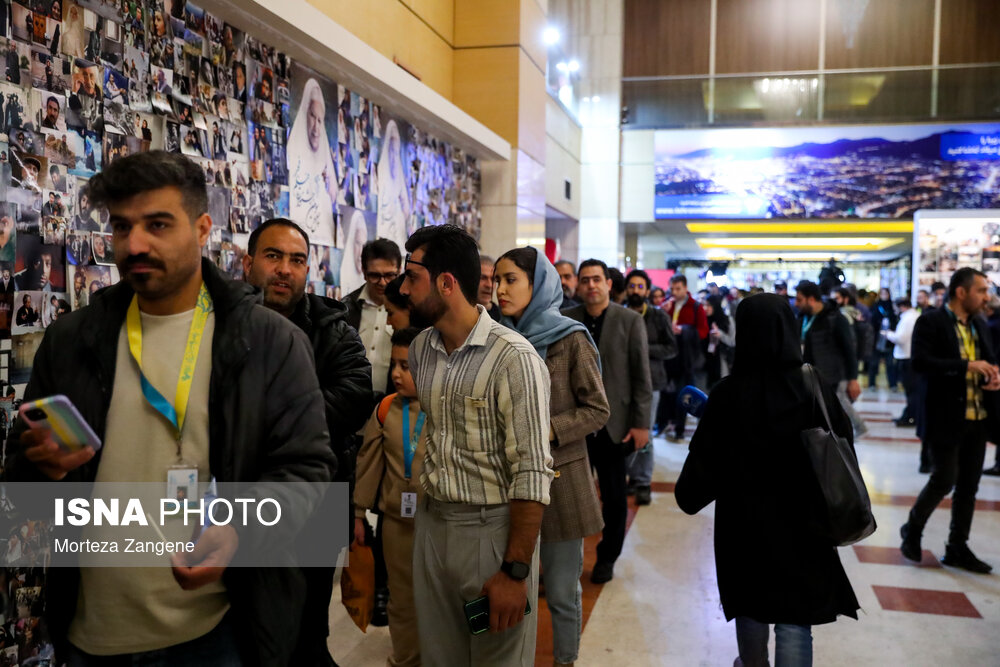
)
(488, 58)
(638, 176)
(562, 160)
(418, 34)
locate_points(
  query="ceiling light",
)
(597, 98)
(794, 256)
(797, 242)
(574, 65)
(562, 66)
(550, 36)
(800, 228)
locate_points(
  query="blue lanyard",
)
(807, 323)
(410, 442)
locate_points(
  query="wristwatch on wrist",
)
(516, 570)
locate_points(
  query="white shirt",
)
(376, 335)
(903, 335)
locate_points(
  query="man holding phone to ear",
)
(253, 411)
(487, 466)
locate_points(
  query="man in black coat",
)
(255, 414)
(277, 262)
(953, 354)
(662, 346)
(828, 343)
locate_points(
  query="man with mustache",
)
(254, 413)
(277, 262)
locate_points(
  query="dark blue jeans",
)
(215, 649)
(792, 643)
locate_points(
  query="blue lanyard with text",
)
(807, 323)
(410, 442)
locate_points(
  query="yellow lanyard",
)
(968, 342)
(677, 309)
(174, 413)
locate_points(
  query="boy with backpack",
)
(388, 473)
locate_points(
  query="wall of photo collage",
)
(86, 82)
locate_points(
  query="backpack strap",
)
(383, 408)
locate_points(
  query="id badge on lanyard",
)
(408, 502)
(182, 475)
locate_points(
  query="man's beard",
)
(634, 300)
(429, 312)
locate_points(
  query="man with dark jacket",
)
(277, 262)
(828, 344)
(567, 276)
(954, 356)
(254, 414)
(380, 261)
(620, 335)
(662, 346)
(690, 324)
(485, 296)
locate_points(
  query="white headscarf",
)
(73, 43)
(351, 271)
(393, 198)
(310, 204)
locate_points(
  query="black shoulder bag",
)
(848, 507)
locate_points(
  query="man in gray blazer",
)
(620, 335)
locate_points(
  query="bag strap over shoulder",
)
(812, 381)
(383, 408)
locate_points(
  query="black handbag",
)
(848, 507)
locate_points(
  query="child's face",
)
(401, 377)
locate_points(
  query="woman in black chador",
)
(774, 563)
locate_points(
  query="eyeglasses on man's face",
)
(375, 277)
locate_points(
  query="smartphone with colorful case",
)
(58, 414)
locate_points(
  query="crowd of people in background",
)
(485, 403)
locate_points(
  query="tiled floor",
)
(662, 608)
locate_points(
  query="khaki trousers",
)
(457, 548)
(397, 543)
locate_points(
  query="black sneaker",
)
(630, 489)
(642, 495)
(911, 545)
(961, 556)
(994, 471)
(603, 573)
(906, 423)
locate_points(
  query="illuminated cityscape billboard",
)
(860, 171)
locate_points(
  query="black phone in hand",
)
(477, 613)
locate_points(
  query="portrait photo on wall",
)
(100, 245)
(77, 248)
(51, 110)
(85, 280)
(8, 232)
(50, 72)
(36, 310)
(39, 266)
(29, 171)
